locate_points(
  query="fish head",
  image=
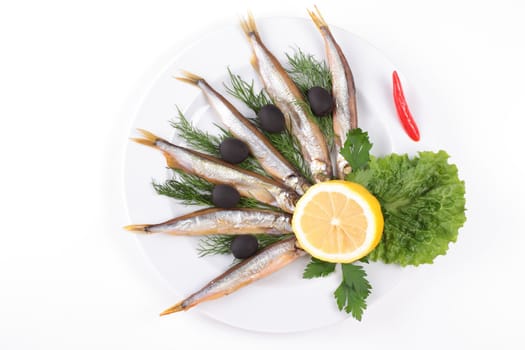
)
(287, 200)
(320, 170)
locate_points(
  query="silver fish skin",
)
(290, 101)
(343, 92)
(221, 221)
(249, 184)
(265, 262)
(266, 154)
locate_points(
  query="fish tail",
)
(175, 308)
(248, 26)
(149, 139)
(152, 140)
(250, 29)
(317, 18)
(137, 228)
(189, 78)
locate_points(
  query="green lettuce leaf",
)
(423, 203)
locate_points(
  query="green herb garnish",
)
(306, 72)
(284, 141)
(204, 142)
(422, 199)
(318, 268)
(188, 189)
(356, 149)
(288, 146)
(245, 92)
(215, 245)
(195, 138)
(193, 190)
(354, 289)
(220, 244)
(423, 203)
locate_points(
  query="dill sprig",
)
(214, 245)
(188, 189)
(288, 146)
(192, 190)
(195, 138)
(284, 141)
(204, 142)
(306, 71)
(220, 244)
(245, 92)
(326, 125)
(247, 202)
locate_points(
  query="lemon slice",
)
(338, 221)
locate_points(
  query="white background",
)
(70, 76)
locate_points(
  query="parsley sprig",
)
(356, 149)
(354, 289)
(351, 294)
(318, 268)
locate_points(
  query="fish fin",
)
(249, 27)
(152, 140)
(175, 308)
(317, 18)
(189, 78)
(137, 228)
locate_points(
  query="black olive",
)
(233, 150)
(224, 196)
(271, 119)
(244, 246)
(320, 101)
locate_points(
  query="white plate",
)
(283, 302)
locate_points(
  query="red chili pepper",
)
(402, 109)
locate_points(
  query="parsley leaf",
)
(356, 149)
(352, 292)
(318, 268)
